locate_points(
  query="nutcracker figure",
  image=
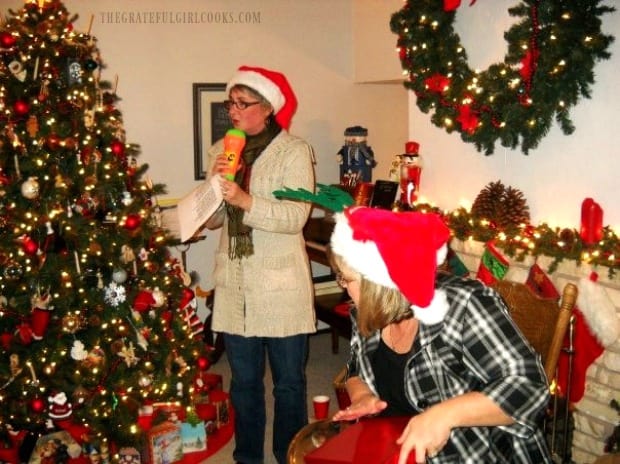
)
(356, 158)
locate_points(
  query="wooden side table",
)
(311, 437)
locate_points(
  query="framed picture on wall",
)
(210, 121)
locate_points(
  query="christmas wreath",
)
(548, 67)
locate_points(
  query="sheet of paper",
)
(197, 206)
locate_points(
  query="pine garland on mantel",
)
(522, 240)
(549, 66)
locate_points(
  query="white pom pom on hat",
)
(273, 86)
(396, 250)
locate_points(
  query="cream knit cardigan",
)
(269, 294)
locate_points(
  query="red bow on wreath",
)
(437, 83)
(451, 5)
(468, 119)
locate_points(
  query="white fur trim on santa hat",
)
(266, 87)
(434, 312)
(362, 257)
(598, 310)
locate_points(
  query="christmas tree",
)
(96, 317)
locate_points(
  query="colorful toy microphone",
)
(234, 141)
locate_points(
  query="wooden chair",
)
(543, 321)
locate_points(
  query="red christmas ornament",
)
(402, 52)
(21, 107)
(203, 363)
(7, 40)
(85, 155)
(166, 317)
(187, 297)
(143, 301)
(133, 221)
(5, 340)
(118, 148)
(53, 141)
(37, 405)
(29, 246)
(24, 332)
(4, 179)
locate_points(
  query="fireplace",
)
(592, 419)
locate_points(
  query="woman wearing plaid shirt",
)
(438, 348)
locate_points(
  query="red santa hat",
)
(396, 250)
(273, 86)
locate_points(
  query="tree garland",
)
(549, 66)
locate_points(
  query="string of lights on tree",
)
(549, 66)
(97, 318)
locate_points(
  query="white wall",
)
(156, 64)
(562, 170)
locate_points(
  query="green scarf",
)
(239, 235)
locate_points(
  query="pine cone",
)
(488, 201)
(504, 207)
(514, 209)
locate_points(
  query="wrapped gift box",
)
(194, 437)
(221, 401)
(164, 444)
(369, 441)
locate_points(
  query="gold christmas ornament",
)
(32, 126)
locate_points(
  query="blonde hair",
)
(378, 305)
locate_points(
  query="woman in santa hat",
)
(438, 348)
(263, 301)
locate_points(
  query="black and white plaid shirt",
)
(475, 348)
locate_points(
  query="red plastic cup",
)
(321, 406)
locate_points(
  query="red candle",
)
(591, 222)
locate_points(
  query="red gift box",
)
(370, 441)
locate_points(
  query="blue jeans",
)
(287, 360)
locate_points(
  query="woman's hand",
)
(235, 195)
(232, 193)
(364, 405)
(426, 433)
(221, 165)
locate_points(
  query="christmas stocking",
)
(596, 327)
(493, 265)
(455, 265)
(586, 345)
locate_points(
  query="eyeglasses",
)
(240, 105)
(342, 281)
